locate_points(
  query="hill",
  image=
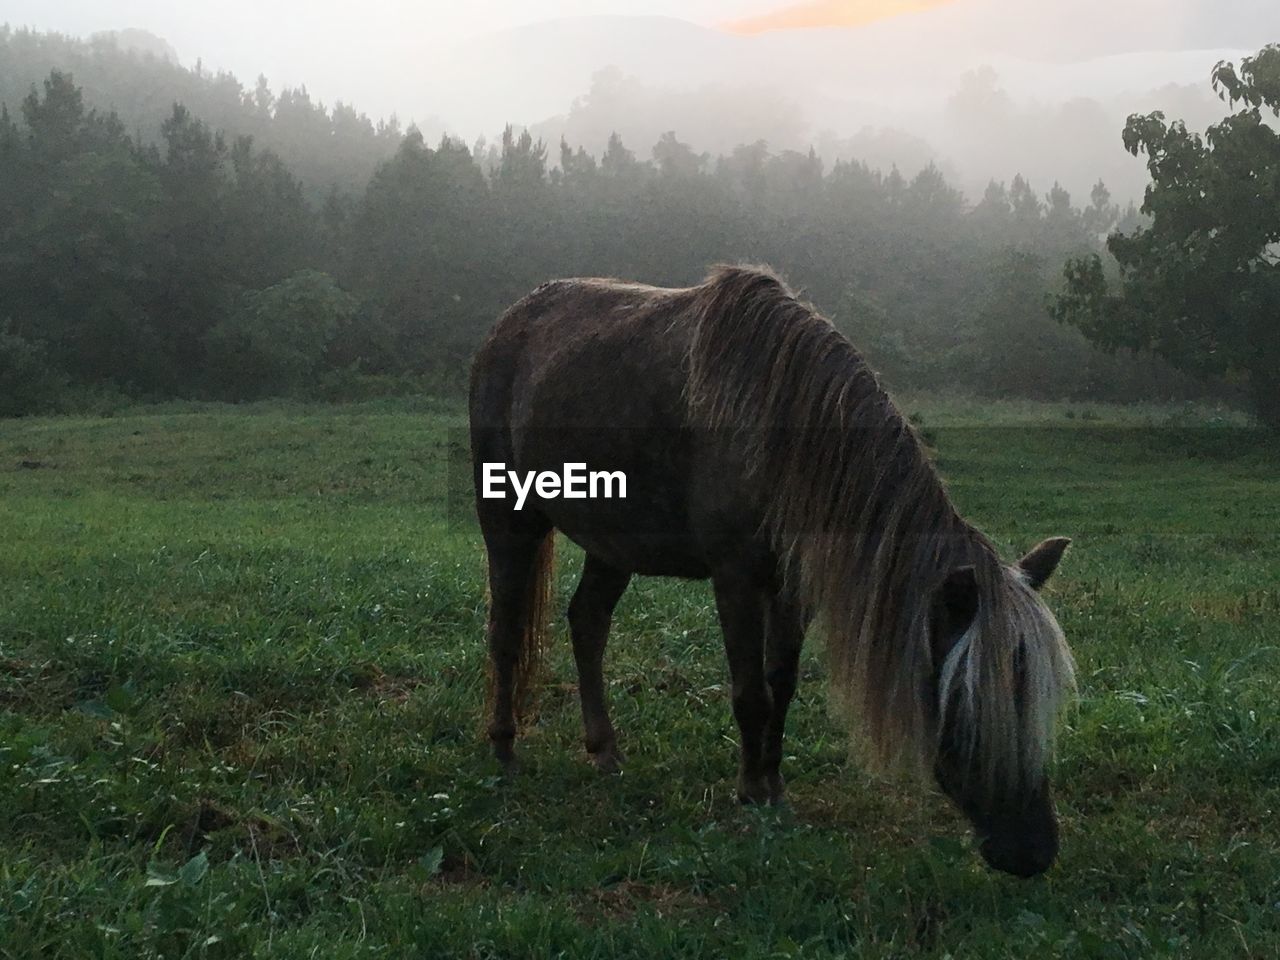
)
(138, 76)
(911, 61)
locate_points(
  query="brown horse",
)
(761, 452)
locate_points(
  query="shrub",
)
(275, 340)
(27, 383)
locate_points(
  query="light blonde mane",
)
(869, 535)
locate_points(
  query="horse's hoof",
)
(507, 762)
(607, 761)
(752, 793)
(777, 792)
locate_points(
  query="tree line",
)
(130, 73)
(197, 265)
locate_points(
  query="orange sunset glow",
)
(830, 13)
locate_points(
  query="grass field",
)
(241, 677)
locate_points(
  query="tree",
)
(577, 170)
(1200, 285)
(277, 339)
(191, 280)
(75, 215)
(27, 383)
(524, 161)
(618, 161)
(676, 159)
(270, 229)
(421, 249)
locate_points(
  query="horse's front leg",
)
(590, 613)
(740, 601)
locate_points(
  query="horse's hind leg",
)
(590, 613)
(784, 637)
(513, 568)
(740, 602)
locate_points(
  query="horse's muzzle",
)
(1022, 855)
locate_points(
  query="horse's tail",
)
(533, 633)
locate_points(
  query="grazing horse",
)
(761, 452)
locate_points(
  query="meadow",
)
(241, 687)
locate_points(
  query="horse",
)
(761, 452)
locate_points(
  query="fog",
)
(984, 88)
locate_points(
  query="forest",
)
(167, 233)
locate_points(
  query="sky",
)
(827, 13)
(321, 23)
(329, 18)
(329, 45)
(320, 33)
(316, 41)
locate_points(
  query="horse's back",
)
(587, 352)
(593, 371)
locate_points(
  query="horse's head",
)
(997, 699)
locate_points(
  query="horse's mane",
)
(869, 535)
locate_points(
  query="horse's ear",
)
(1039, 564)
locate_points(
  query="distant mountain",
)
(525, 74)
(1063, 76)
(908, 64)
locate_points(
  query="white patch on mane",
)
(958, 668)
(1017, 742)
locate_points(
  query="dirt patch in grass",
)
(621, 901)
(35, 688)
(386, 686)
(210, 823)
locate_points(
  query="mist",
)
(984, 89)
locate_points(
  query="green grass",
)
(241, 677)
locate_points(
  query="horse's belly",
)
(650, 543)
